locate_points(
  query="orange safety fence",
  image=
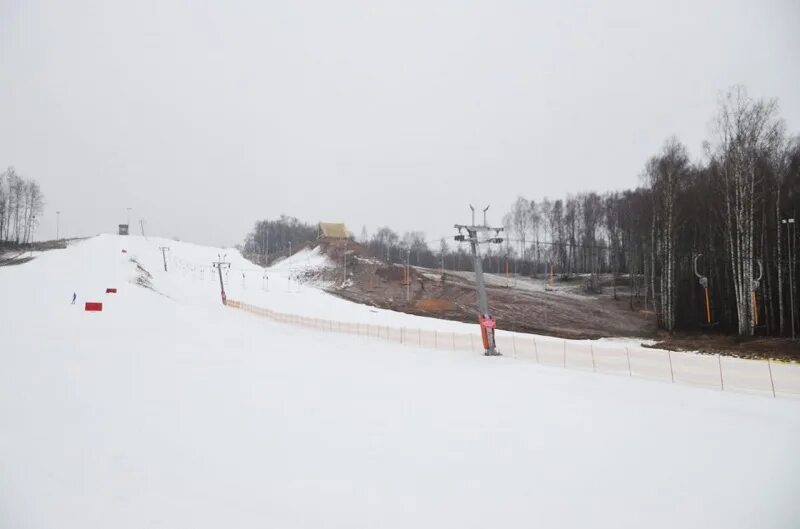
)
(767, 377)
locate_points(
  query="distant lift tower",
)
(477, 235)
(219, 265)
(164, 250)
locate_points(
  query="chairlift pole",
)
(164, 255)
(219, 264)
(473, 231)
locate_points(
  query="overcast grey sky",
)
(205, 116)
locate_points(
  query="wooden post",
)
(771, 380)
(671, 372)
(628, 356)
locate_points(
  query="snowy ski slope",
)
(169, 410)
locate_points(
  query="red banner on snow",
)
(94, 306)
(111, 291)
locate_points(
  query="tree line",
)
(272, 239)
(721, 223)
(21, 202)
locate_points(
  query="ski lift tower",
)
(219, 264)
(477, 235)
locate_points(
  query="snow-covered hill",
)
(169, 410)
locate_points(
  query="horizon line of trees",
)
(726, 215)
(21, 202)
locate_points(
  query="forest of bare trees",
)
(727, 215)
(21, 202)
(271, 239)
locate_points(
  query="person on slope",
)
(74, 295)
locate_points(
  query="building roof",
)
(331, 230)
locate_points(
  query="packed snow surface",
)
(169, 410)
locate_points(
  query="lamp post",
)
(789, 223)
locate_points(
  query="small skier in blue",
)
(74, 295)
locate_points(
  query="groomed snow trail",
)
(169, 410)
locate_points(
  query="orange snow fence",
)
(94, 306)
(770, 378)
(111, 291)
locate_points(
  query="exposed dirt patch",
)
(756, 347)
(143, 276)
(564, 309)
(434, 305)
(519, 307)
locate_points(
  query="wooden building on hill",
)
(333, 231)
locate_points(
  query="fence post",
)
(591, 349)
(514, 344)
(628, 356)
(721, 382)
(671, 372)
(565, 353)
(771, 381)
(536, 350)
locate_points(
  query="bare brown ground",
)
(559, 313)
(756, 347)
(529, 305)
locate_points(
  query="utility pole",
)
(789, 223)
(477, 235)
(344, 258)
(164, 255)
(408, 275)
(755, 283)
(266, 250)
(219, 265)
(58, 224)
